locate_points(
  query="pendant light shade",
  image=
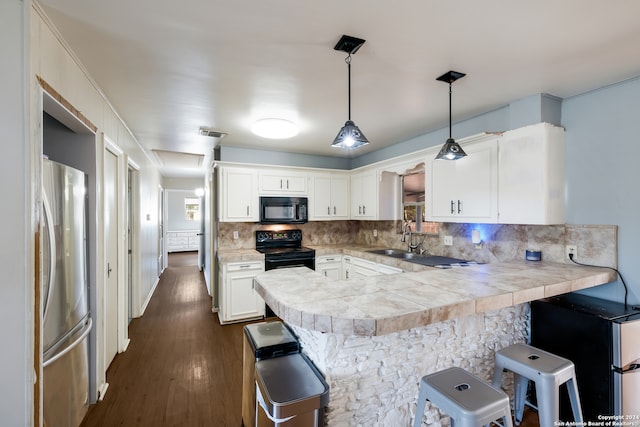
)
(350, 136)
(451, 150)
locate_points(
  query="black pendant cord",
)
(348, 61)
(449, 110)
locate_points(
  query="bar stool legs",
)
(548, 371)
(469, 401)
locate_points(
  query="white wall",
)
(16, 220)
(51, 60)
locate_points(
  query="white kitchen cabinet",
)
(330, 266)
(329, 197)
(238, 299)
(374, 195)
(387, 269)
(357, 267)
(465, 190)
(364, 195)
(354, 267)
(238, 195)
(180, 241)
(531, 175)
(282, 182)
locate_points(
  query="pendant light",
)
(451, 150)
(350, 135)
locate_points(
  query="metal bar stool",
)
(548, 372)
(468, 400)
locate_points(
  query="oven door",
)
(272, 263)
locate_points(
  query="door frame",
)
(134, 274)
(123, 294)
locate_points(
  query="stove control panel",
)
(264, 236)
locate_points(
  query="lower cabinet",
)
(238, 299)
(330, 266)
(354, 267)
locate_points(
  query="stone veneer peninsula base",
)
(374, 379)
(375, 337)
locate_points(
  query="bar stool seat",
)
(548, 372)
(469, 401)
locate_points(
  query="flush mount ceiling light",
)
(350, 135)
(274, 128)
(451, 150)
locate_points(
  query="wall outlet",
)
(375, 233)
(235, 235)
(571, 250)
(448, 240)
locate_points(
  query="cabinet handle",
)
(346, 274)
(329, 259)
(452, 207)
(245, 266)
(328, 210)
(359, 210)
(459, 206)
(364, 210)
(247, 210)
(334, 210)
(287, 184)
(281, 184)
(325, 273)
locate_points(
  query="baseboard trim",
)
(102, 390)
(146, 301)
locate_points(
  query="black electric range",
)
(283, 249)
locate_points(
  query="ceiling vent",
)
(211, 132)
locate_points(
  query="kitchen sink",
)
(425, 259)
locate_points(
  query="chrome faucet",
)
(410, 245)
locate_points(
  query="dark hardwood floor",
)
(181, 368)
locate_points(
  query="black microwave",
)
(283, 210)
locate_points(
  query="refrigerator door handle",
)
(72, 345)
(52, 254)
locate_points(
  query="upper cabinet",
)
(282, 182)
(238, 195)
(375, 195)
(329, 196)
(364, 195)
(465, 190)
(531, 175)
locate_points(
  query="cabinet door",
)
(239, 196)
(465, 190)
(241, 299)
(321, 197)
(340, 197)
(364, 196)
(531, 176)
(282, 182)
(330, 266)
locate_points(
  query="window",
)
(413, 199)
(192, 208)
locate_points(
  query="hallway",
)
(181, 368)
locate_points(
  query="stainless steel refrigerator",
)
(602, 338)
(66, 321)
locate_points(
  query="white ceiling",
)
(170, 67)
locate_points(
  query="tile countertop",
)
(380, 305)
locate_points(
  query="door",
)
(111, 255)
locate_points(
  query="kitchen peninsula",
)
(373, 338)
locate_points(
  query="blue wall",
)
(603, 173)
